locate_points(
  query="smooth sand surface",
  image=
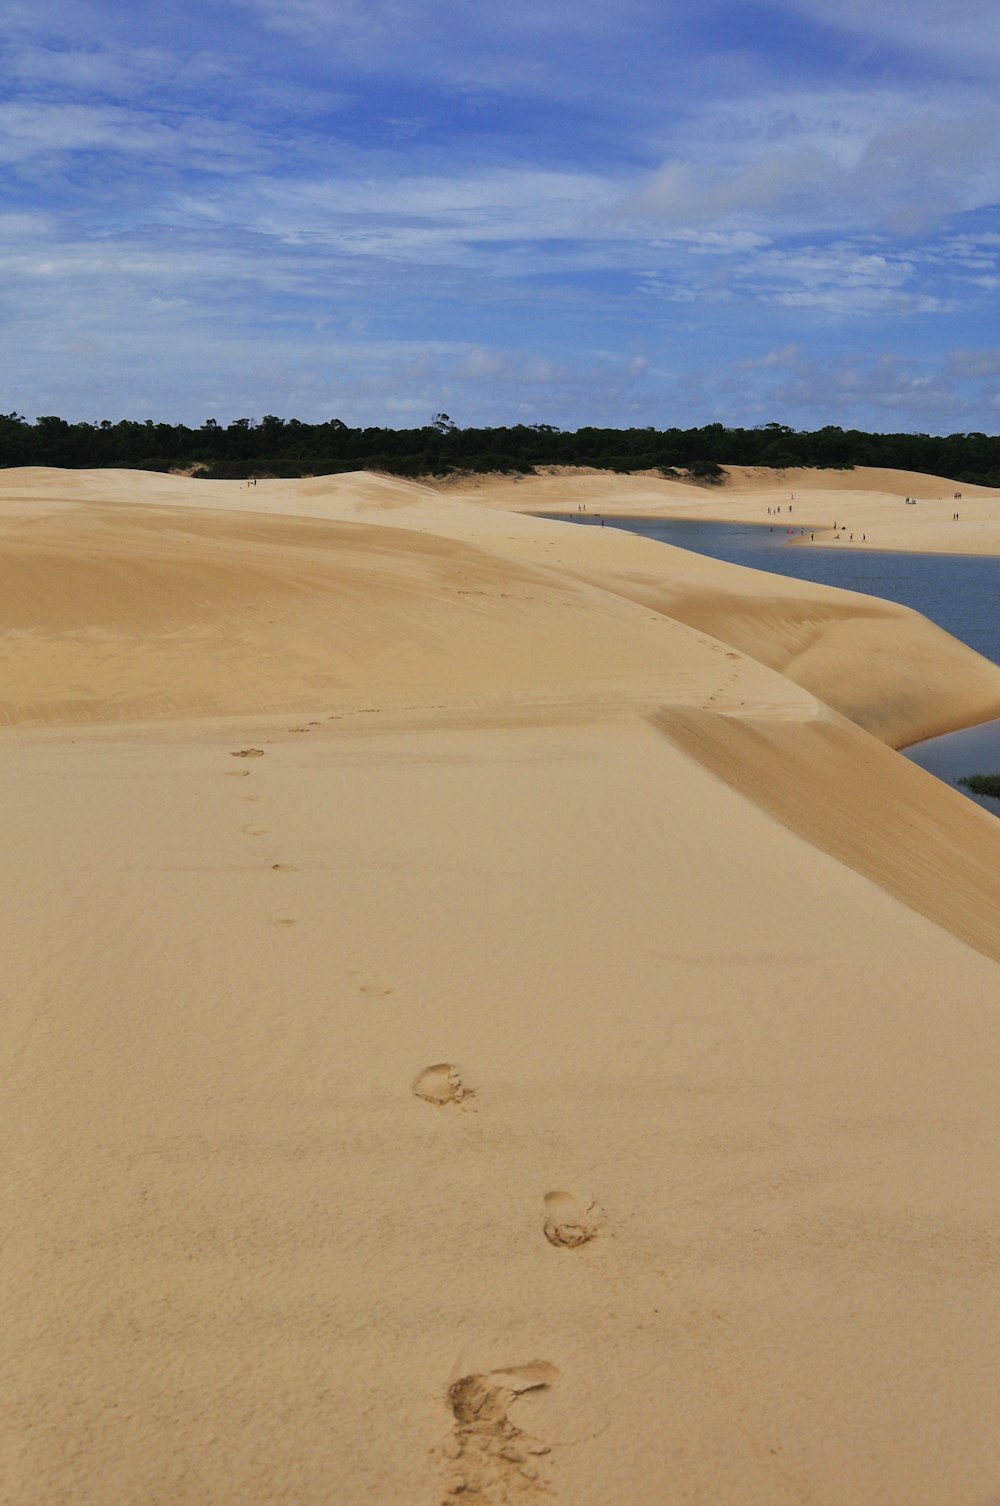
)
(487, 1018)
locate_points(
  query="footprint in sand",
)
(248, 753)
(488, 1456)
(282, 920)
(569, 1223)
(284, 868)
(237, 773)
(253, 831)
(441, 1084)
(366, 986)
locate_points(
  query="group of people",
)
(912, 502)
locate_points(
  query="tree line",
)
(287, 447)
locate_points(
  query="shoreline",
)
(798, 543)
(869, 499)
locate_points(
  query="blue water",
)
(961, 593)
(973, 751)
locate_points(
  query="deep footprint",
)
(569, 1223)
(441, 1084)
(488, 1456)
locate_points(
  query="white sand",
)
(534, 806)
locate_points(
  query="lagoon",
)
(961, 593)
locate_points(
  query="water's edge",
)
(961, 593)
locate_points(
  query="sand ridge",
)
(257, 585)
(479, 1029)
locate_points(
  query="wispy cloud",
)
(625, 212)
(907, 175)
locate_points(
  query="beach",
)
(492, 1015)
(861, 507)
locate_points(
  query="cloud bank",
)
(629, 214)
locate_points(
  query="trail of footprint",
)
(441, 1084)
(488, 1456)
(727, 685)
(569, 1223)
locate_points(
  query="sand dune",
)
(125, 613)
(867, 503)
(224, 602)
(487, 1020)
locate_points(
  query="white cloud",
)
(293, 198)
(38, 132)
(779, 357)
(962, 32)
(676, 195)
(905, 174)
(480, 363)
(984, 362)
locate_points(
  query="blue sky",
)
(621, 212)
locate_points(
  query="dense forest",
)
(286, 447)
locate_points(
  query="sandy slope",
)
(202, 613)
(310, 789)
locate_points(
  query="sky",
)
(614, 212)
